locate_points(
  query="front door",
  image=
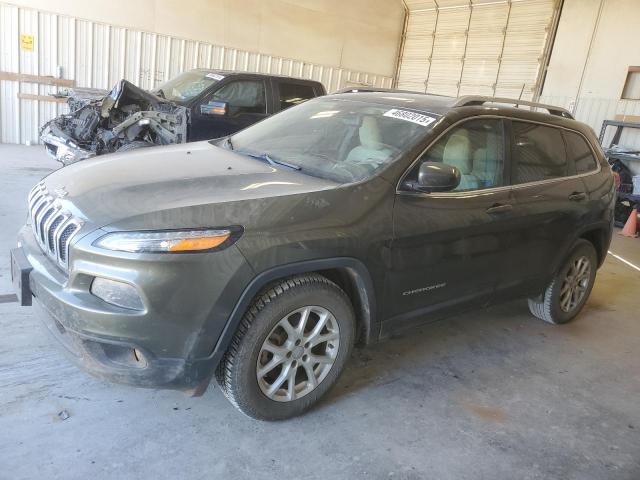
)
(449, 248)
(246, 105)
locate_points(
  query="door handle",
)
(500, 208)
(577, 196)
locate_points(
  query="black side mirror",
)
(214, 108)
(436, 177)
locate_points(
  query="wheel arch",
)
(599, 237)
(598, 234)
(348, 273)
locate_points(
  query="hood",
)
(105, 190)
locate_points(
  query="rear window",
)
(580, 153)
(538, 153)
(294, 93)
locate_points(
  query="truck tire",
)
(290, 348)
(136, 144)
(569, 290)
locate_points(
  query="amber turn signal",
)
(203, 243)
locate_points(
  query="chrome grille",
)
(52, 227)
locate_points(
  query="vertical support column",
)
(403, 39)
(433, 46)
(466, 43)
(504, 41)
(548, 47)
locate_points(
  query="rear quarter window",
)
(294, 93)
(579, 153)
(538, 153)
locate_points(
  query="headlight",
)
(169, 241)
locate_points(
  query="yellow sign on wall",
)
(26, 42)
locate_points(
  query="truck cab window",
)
(242, 96)
(294, 93)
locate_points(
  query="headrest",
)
(457, 153)
(369, 132)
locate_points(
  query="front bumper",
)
(169, 344)
(61, 148)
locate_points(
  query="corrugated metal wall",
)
(97, 55)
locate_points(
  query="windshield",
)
(341, 140)
(188, 85)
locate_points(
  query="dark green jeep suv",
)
(260, 259)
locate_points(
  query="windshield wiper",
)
(270, 160)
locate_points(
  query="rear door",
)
(291, 92)
(450, 248)
(551, 204)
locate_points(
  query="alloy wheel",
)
(575, 284)
(298, 353)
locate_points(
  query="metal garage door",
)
(482, 47)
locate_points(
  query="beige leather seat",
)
(371, 149)
(487, 162)
(457, 153)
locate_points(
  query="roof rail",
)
(365, 89)
(474, 100)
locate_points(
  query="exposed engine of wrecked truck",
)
(123, 119)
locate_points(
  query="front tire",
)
(290, 348)
(569, 290)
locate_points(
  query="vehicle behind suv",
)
(261, 258)
(196, 105)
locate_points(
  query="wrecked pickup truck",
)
(196, 105)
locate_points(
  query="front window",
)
(188, 85)
(242, 96)
(476, 149)
(341, 140)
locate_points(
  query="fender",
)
(358, 273)
(602, 226)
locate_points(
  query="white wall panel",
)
(97, 55)
(9, 61)
(48, 61)
(29, 118)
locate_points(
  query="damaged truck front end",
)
(125, 118)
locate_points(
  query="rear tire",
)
(276, 366)
(569, 290)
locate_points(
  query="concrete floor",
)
(495, 395)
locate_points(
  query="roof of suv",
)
(470, 105)
(427, 103)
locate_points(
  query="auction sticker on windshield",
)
(215, 76)
(408, 116)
